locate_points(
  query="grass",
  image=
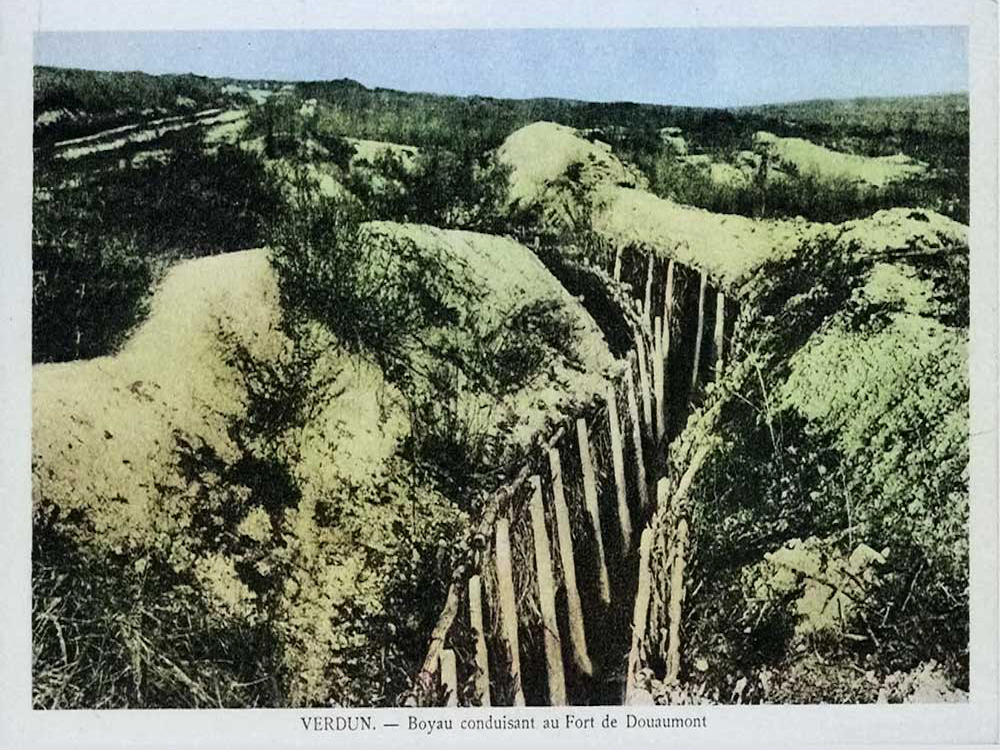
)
(302, 557)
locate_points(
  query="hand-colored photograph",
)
(500, 367)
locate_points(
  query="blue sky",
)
(693, 66)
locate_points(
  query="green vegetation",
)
(82, 102)
(297, 548)
(812, 194)
(845, 420)
(239, 588)
(414, 306)
(101, 237)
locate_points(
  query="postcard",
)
(421, 376)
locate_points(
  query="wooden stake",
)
(639, 612)
(668, 318)
(508, 606)
(676, 600)
(701, 327)
(618, 460)
(647, 300)
(482, 680)
(647, 404)
(577, 634)
(449, 677)
(547, 598)
(640, 461)
(661, 419)
(593, 510)
(618, 264)
(668, 307)
(432, 661)
(720, 322)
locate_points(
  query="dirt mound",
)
(102, 428)
(728, 246)
(152, 454)
(806, 157)
(552, 165)
(508, 279)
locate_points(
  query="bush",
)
(848, 423)
(418, 311)
(441, 188)
(100, 239)
(88, 292)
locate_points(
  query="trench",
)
(549, 665)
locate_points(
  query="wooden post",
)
(668, 307)
(647, 405)
(668, 318)
(701, 327)
(676, 599)
(449, 677)
(547, 598)
(639, 612)
(577, 634)
(590, 498)
(647, 300)
(508, 606)
(640, 462)
(482, 680)
(618, 263)
(618, 461)
(720, 322)
(661, 418)
(428, 673)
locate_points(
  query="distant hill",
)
(932, 113)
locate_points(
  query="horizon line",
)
(542, 97)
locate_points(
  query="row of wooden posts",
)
(651, 346)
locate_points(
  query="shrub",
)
(87, 293)
(442, 188)
(101, 238)
(848, 422)
(125, 631)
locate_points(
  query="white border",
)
(728, 726)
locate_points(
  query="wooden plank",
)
(720, 327)
(508, 605)
(618, 462)
(658, 396)
(481, 683)
(441, 629)
(668, 324)
(547, 598)
(640, 461)
(646, 391)
(449, 677)
(675, 602)
(700, 331)
(593, 510)
(647, 299)
(668, 307)
(639, 613)
(564, 533)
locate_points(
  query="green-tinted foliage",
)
(130, 631)
(849, 423)
(90, 101)
(441, 188)
(87, 292)
(101, 237)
